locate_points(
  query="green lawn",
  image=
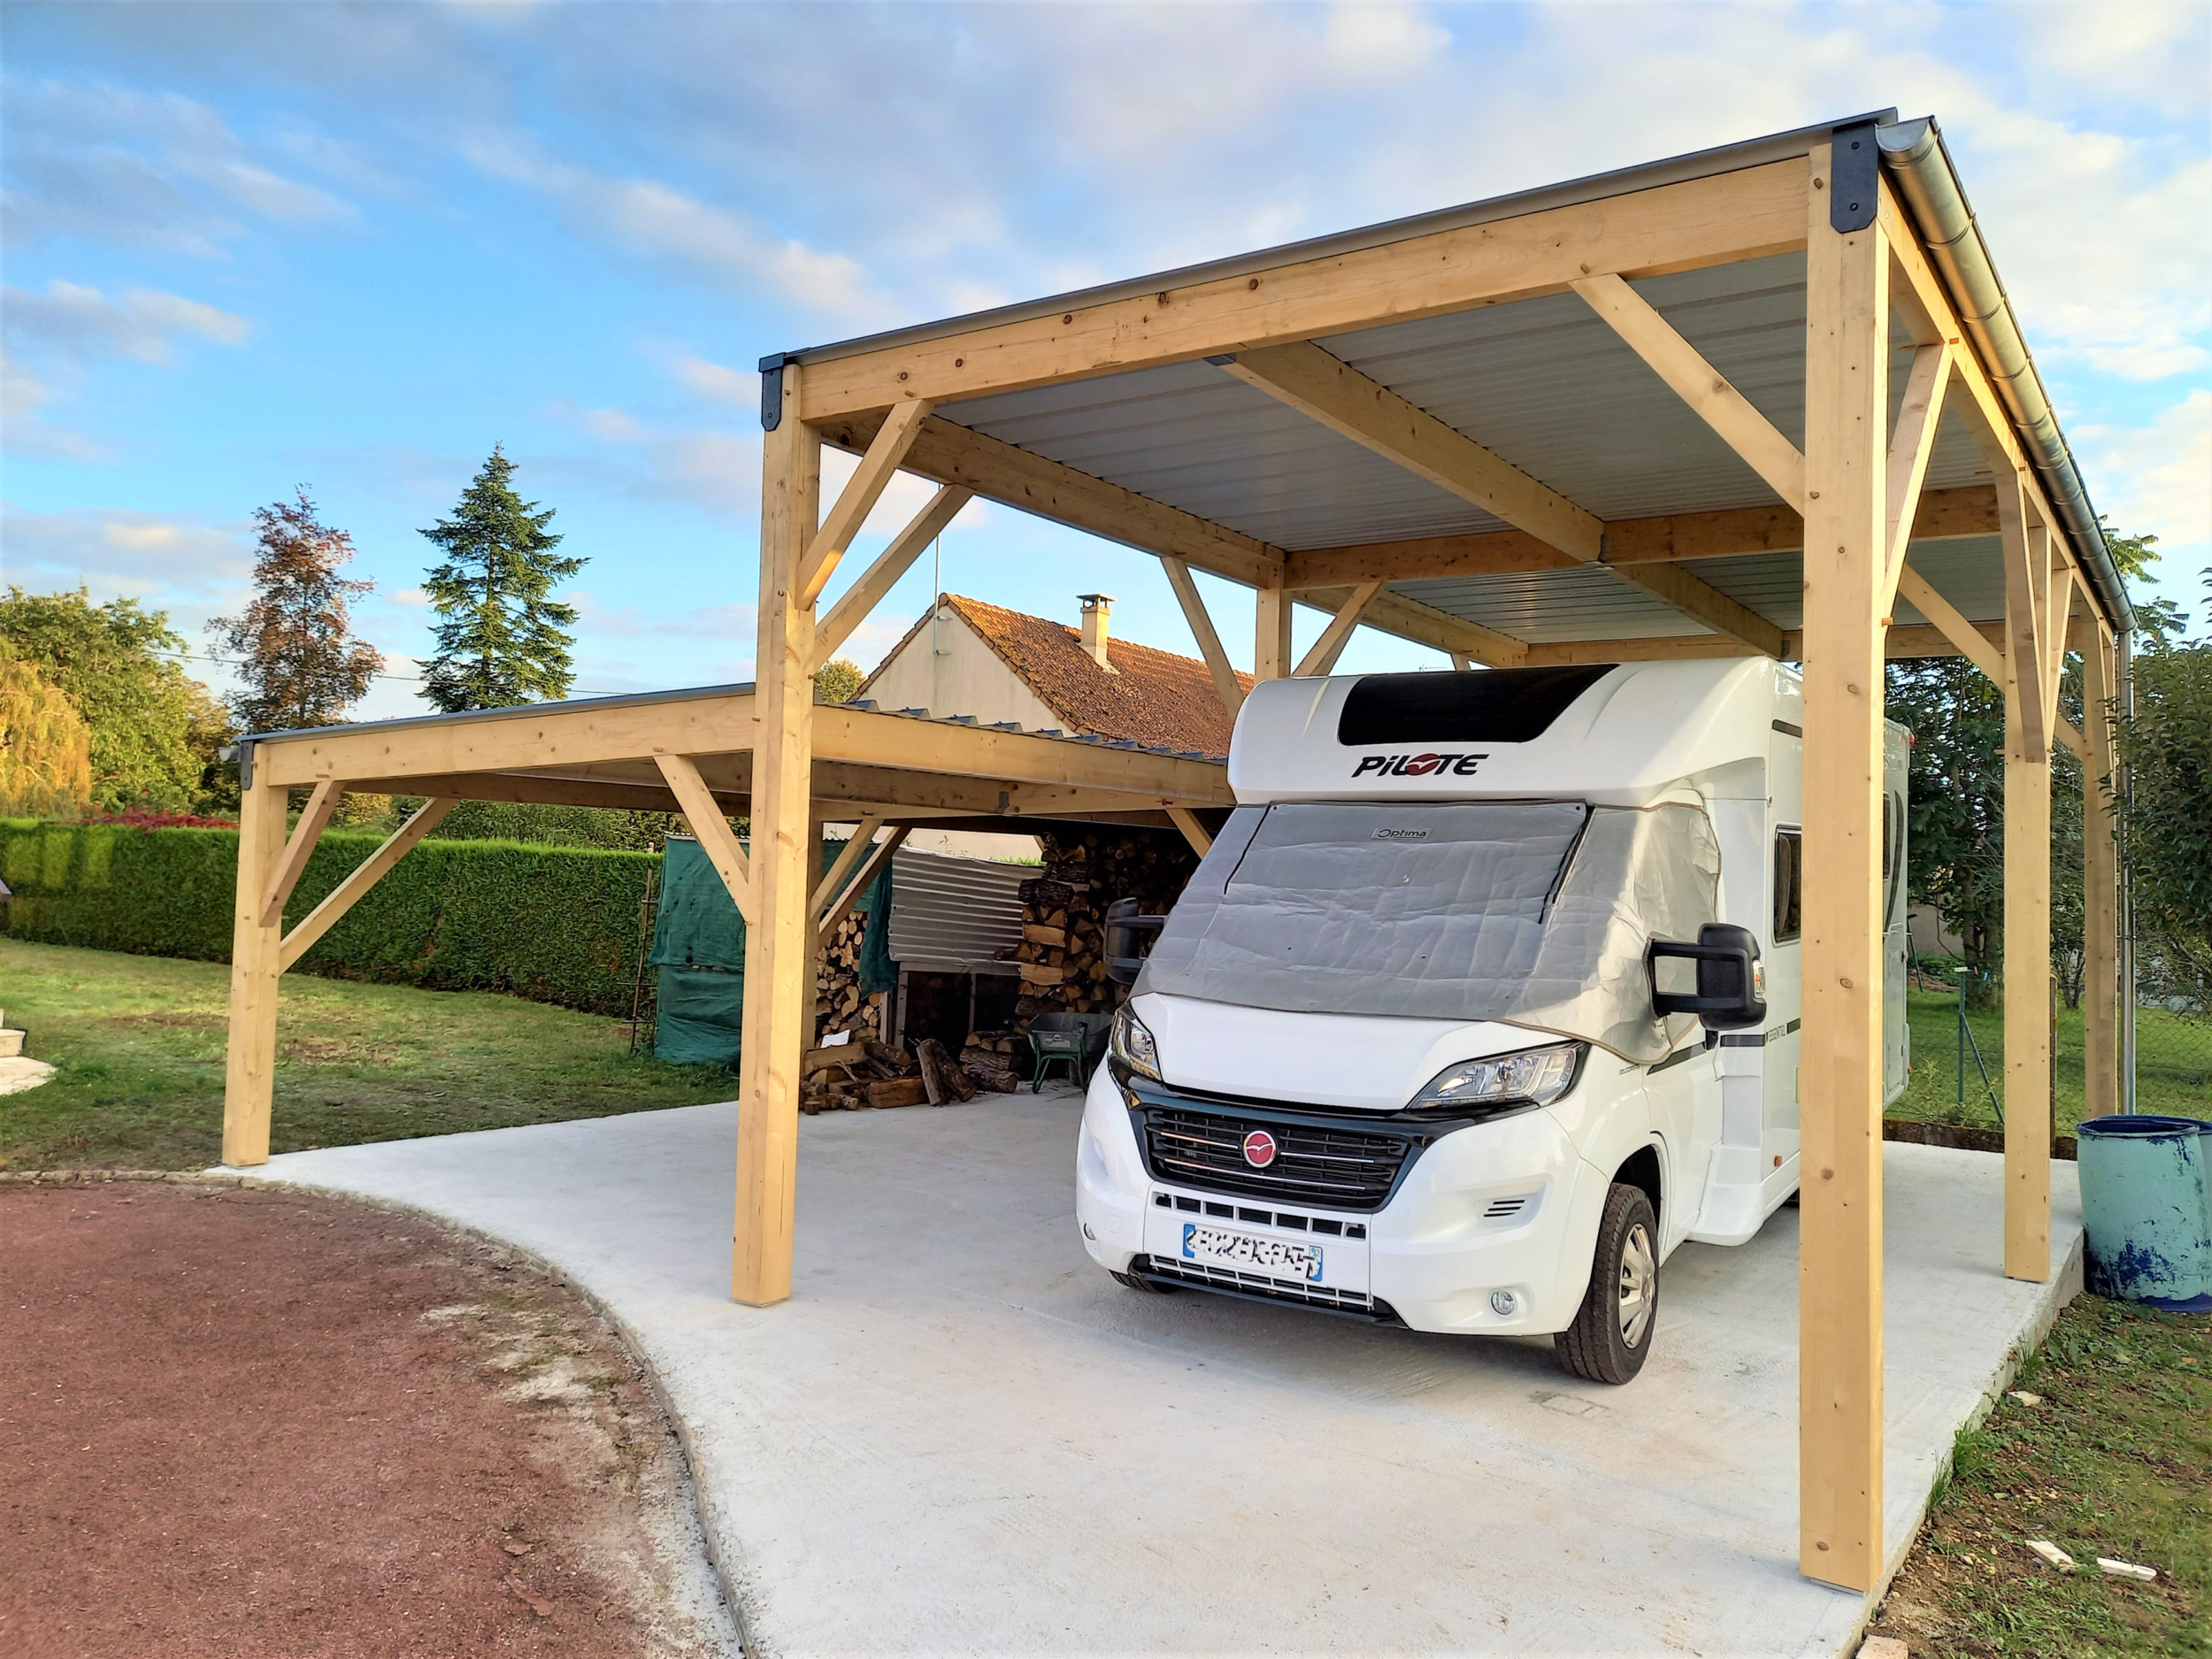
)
(2173, 1069)
(2115, 1459)
(138, 1042)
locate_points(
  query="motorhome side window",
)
(1789, 884)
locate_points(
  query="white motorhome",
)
(1484, 1001)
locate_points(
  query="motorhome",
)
(1482, 1003)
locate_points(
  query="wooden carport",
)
(1768, 400)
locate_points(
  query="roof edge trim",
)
(1701, 164)
(1915, 155)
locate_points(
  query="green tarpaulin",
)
(699, 947)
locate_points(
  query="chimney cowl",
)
(1098, 609)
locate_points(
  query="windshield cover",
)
(1530, 913)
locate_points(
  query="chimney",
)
(1098, 609)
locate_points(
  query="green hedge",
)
(554, 923)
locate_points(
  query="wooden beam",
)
(1973, 643)
(1270, 632)
(779, 936)
(256, 957)
(933, 746)
(2058, 601)
(365, 875)
(1701, 602)
(1942, 515)
(843, 898)
(1839, 1078)
(1227, 687)
(1745, 214)
(878, 467)
(1460, 662)
(1326, 389)
(292, 864)
(840, 871)
(1898, 642)
(1696, 382)
(997, 471)
(1910, 447)
(1333, 637)
(2027, 964)
(1194, 831)
(710, 829)
(2100, 883)
(1426, 625)
(858, 602)
(2027, 595)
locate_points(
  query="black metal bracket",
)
(771, 390)
(1855, 173)
(1223, 361)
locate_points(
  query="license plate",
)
(1277, 1257)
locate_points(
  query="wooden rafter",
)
(854, 849)
(1426, 625)
(716, 839)
(1745, 214)
(1329, 646)
(1226, 685)
(1700, 600)
(298, 849)
(1973, 640)
(878, 467)
(1899, 642)
(860, 601)
(1704, 388)
(1329, 390)
(1910, 445)
(365, 875)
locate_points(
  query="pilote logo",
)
(1418, 765)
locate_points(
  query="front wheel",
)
(1612, 1329)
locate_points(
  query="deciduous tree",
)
(45, 746)
(297, 661)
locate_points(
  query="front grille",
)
(1205, 1275)
(1331, 1168)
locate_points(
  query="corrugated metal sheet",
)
(1545, 384)
(954, 915)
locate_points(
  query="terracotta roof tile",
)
(1154, 697)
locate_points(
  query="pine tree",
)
(298, 663)
(502, 639)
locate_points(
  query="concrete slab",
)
(959, 1436)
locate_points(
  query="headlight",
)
(1504, 1082)
(1132, 1045)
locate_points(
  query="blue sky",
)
(249, 247)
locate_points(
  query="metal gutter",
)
(1702, 163)
(1914, 155)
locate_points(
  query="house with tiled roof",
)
(964, 657)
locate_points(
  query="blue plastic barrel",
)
(2147, 1208)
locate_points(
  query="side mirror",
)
(1731, 984)
(1123, 924)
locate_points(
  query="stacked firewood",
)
(838, 1003)
(1062, 955)
(862, 1074)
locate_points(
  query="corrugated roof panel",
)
(1544, 607)
(954, 915)
(1970, 572)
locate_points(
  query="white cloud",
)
(166, 560)
(76, 322)
(2157, 478)
(147, 169)
(23, 428)
(717, 472)
(715, 380)
(646, 218)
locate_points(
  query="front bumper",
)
(1502, 1206)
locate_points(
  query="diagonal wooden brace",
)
(862, 491)
(297, 850)
(703, 814)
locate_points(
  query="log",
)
(1039, 973)
(898, 1092)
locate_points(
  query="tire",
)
(1612, 1335)
(1145, 1284)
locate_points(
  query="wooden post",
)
(2027, 921)
(778, 954)
(2100, 884)
(256, 964)
(1840, 1080)
(1271, 650)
